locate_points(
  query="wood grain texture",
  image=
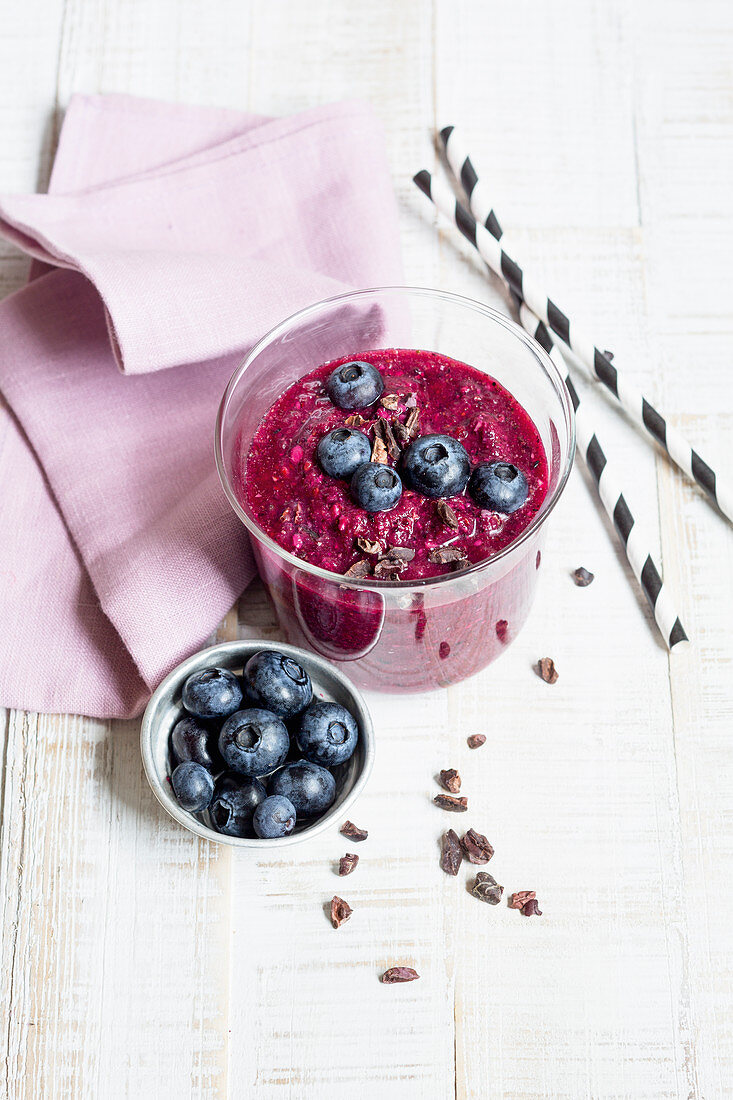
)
(139, 961)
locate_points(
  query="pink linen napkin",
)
(179, 235)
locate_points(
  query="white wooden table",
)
(139, 962)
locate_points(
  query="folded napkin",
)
(176, 237)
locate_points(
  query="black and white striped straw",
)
(604, 477)
(612, 498)
(597, 360)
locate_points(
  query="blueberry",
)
(342, 451)
(212, 693)
(376, 487)
(498, 486)
(191, 740)
(310, 788)
(437, 466)
(274, 817)
(354, 385)
(253, 741)
(277, 682)
(234, 804)
(193, 786)
(327, 734)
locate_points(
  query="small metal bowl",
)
(165, 708)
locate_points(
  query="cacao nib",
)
(379, 450)
(412, 421)
(390, 401)
(447, 515)
(369, 547)
(361, 568)
(451, 780)
(352, 831)
(348, 863)
(487, 889)
(531, 909)
(393, 448)
(476, 740)
(340, 911)
(401, 433)
(519, 898)
(451, 853)
(476, 847)
(397, 974)
(390, 567)
(444, 555)
(546, 669)
(582, 577)
(448, 802)
(355, 421)
(400, 553)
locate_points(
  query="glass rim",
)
(545, 362)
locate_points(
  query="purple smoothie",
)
(313, 515)
(434, 625)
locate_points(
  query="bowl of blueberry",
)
(254, 743)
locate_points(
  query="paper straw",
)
(612, 498)
(631, 399)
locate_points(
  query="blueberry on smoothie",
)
(437, 466)
(276, 682)
(376, 487)
(275, 817)
(235, 801)
(327, 734)
(254, 741)
(212, 693)
(310, 788)
(343, 451)
(498, 487)
(191, 740)
(193, 786)
(354, 385)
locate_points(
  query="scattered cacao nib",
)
(379, 450)
(298, 512)
(352, 831)
(443, 555)
(286, 515)
(583, 578)
(348, 863)
(400, 553)
(546, 669)
(447, 515)
(608, 354)
(451, 780)
(393, 448)
(355, 421)
(476, 740)
(451, 853)
(390, 567)
(487, 889)
(519, 898)
(531, 909)
(389, 401)
(340, 911)
(397, 974)
(361, 568)
(443, 650)
(476, 847)
(370, 547)
(411, 401)
(412, 420)
(448, 802)
(501, 629)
